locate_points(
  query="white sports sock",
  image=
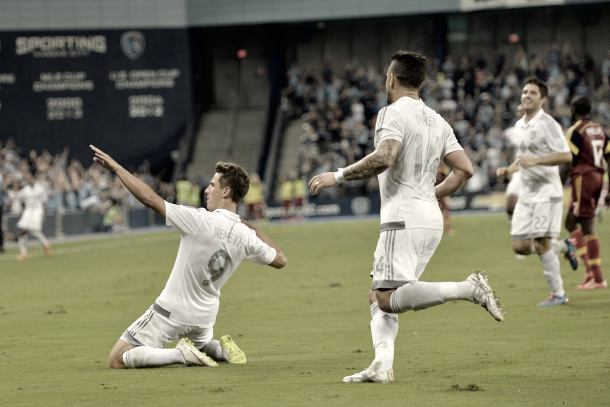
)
(550, 262)
(145, 356)
(213, 350)
(384, 329)
(422, 295)
(40, 237)
(532, 247)
(559, 246)
(22, 241)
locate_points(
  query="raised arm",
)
(137, 187)
(461, 171)
(280, 260)
(375, 163)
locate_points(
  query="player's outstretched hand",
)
(104, 159)
(321, 181)
(502, 172)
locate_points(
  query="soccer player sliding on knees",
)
(214, 241)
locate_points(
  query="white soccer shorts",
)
(402, 254)
(31, 219)
(155, 329)
(536, 220)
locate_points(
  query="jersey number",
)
(430, 162)
(598, 154)
(217, 265)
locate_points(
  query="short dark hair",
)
(409, 68)
(234, 177)
(544, 89)
(581, 105)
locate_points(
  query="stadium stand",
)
(336, 112)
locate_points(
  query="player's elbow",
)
(465, 173)
(280, 261)
(385, 162)
(154, 202)
(468, 173)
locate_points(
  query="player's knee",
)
(384, 300)
(522, 251)
(522, 248)
(115, 361)
(385, 306)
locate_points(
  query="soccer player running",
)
(213, 243)
(590, 145)
(410, 142)
(541, 148)
(34, 198)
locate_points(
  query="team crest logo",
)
(360, 206)
(133, 44)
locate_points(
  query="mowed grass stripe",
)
(59, 247)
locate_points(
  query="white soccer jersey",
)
(407, 187)
(34, 198)
(212, 245)
(540, 137)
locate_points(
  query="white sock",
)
(532, 246)
(213, 350)
(384, 329)
(422, 295)
(559, 246)
(145, 356)
(22, 241)
(40, 237)
(552, 272)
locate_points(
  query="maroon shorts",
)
(585, 194)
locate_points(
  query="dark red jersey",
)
(442, 172)
(589, 144)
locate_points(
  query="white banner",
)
(471, 5)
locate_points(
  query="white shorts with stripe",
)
(156, 329)
(402, 254)
(537, 220)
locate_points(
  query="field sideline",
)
(304, 327)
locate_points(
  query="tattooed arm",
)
(375, 163)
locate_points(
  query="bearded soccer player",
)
(411, 140)
(590, 145)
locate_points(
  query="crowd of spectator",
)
(70, 185)
(476, 96)
(338, 111)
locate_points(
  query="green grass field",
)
(304, 327)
